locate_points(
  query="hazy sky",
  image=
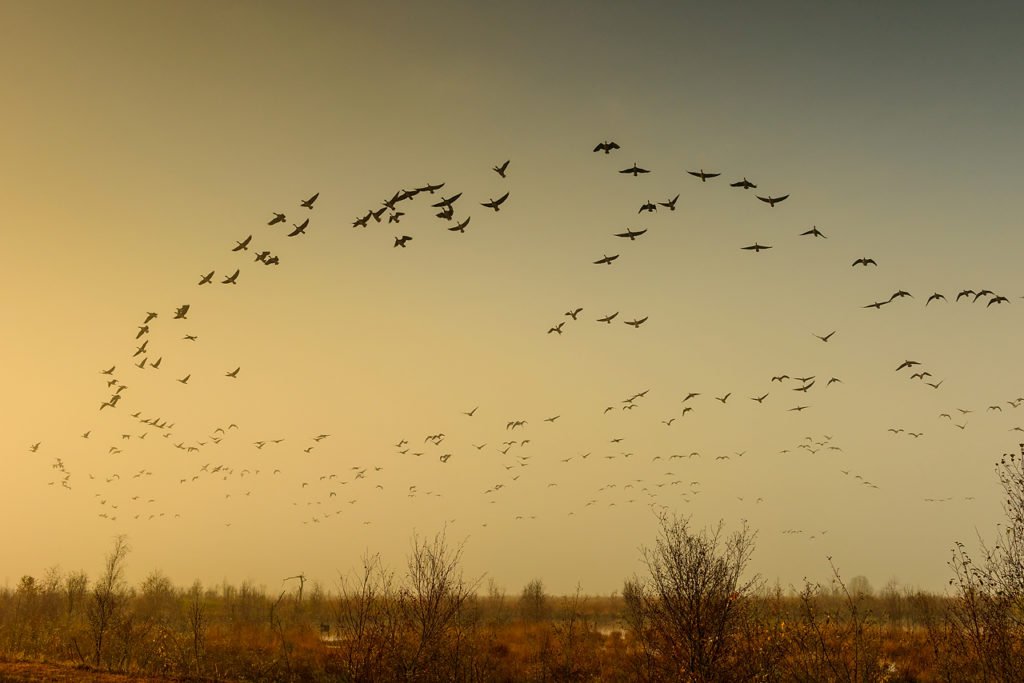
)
(143, 141)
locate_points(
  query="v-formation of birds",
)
(447, 209)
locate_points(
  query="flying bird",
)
(637, 323)
(495, 203)
(606, 147)
(299, 229)
(607, 259)
(400, 241)
(461, 227)
(864, 261)
(813, 231)
(635, 170)
(244, 244)
(430, 188)
(395, 217)
(826, 337)
(670, 204)
(703, 176)
(500, 170)
(232, 279)
(309, 202)
(757, 247)
(772, 201)
(184, 380)
(278, 218)
(630, 234)
(572, 314)
(233, 373)
(182, 311)
(446, 202)
(608, 318)
(723, 399)
(361, 222)
(648, 207)
(934, 297)
(745, 184)
(557, 328)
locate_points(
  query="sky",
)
(143, 142)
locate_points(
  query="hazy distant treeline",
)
(694, 614)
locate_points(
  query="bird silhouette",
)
(500, 170)
(231, 279)
(309, 202)
(636, 323)
(756, 247)
(278, 218)
(864, 261)
(244, 244)
(630, 234)
(813, 231)
(233, 373)
(635, 170)
(607, 259)
(495, 203)
(299, 229)
(772, 201)
(703, 176)
(608, 318)
(745, 184)
(606, 147)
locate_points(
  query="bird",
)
(573, 313)
(813, 231)
(900, 294)
(864, 261)
(934, 297)
(608, 318)
(630, 234)
(826, 337)
(636, 323)
(361, 222)
(757, 247)
(395, 217)
(759, 399)
(299, 229)
(635, 170)
(184, 380)
(772, 201)
(500, 170)
(461, 227)
(907, 364)
(470, 413)
(606, 147)
(723, 399)
(557, 328)
(182, 311)
(495, 203)
(966, 292)
(109, 371)
(745, 184)
(997, 300)
(233, 373)
(309, 202)
(231, 279)
(446, 201)
(430, 188)
(670, 204)
(149, 316)
(400, 241)
(703, 176)
(278, 218)
(648, 207)
(243, 245)
(877, 304)
(607, 259)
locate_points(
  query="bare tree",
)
(435, 600)
(108, 596)
(686, 616)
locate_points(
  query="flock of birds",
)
(225, 455)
